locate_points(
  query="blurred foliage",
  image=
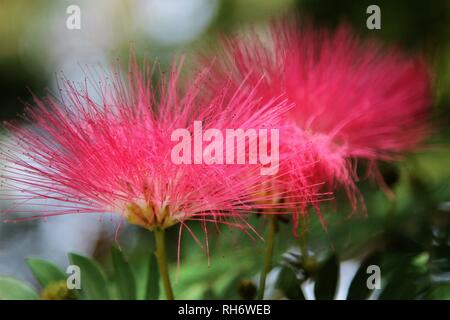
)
(129, 280)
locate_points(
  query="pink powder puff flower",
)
(353, 99)
(114, 155)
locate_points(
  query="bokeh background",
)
(411, 232)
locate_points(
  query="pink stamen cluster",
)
(114, 154)
(352, 99)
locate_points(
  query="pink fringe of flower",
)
(81, 154)
(353, 99)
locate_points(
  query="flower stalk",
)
(272, 221)
(162, 262)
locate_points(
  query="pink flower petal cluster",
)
(113, 154)
(353, 99)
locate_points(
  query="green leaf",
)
(13, 289)
(403, 277)
(93, 280)
(45, 271)
(123, 274)
(439, 292)
(358, 289)
(404, 284)
(327, 279)
(152, 287)
(147, 276)
(289, 285)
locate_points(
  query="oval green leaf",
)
(93, 280)
(327, 279)
(123, 276)
(45, 271)
(146, 270)
(14, 289)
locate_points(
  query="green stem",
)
(162, 262)
(303, 240)
(268, 255)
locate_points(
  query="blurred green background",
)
(409, 236)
